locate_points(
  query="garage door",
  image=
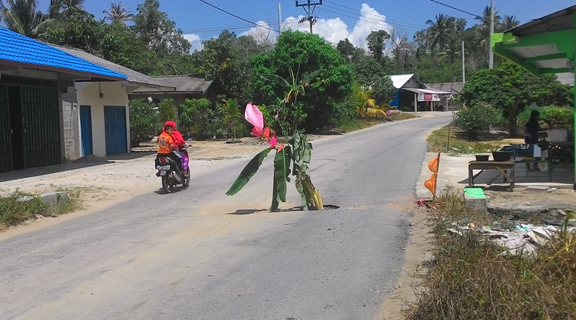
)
(41, 124)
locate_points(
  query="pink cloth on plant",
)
(273, 141)
(255, 117)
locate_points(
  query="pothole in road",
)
(330, 207)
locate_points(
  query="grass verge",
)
(20, 206)
(471, 278)
(488, 142)
(363, 123)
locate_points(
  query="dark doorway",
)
(86, 130)
(15, 105)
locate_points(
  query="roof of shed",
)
(183, 84)
(132, 75)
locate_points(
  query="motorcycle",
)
(170, 173)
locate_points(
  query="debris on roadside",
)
(516, 237)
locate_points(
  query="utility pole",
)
(490, 54)
(309, 8)
(279, 18)
(463, 66)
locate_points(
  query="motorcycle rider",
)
(168, 145)
(180, 145)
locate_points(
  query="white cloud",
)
(335, 29)
(195, 41)
(262, 33)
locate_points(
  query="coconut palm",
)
(64, 9)
(117, 14)
(452, 49)
(508, 22)
(439, 31)
(483, 28)
(22, 16)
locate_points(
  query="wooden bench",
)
(503, 166)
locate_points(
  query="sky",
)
(337, 19)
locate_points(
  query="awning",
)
(426, 91)
(428, 94)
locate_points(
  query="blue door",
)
(86, 130)
(115, 127)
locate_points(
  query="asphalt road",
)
(198, 254)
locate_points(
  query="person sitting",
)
(167, 146)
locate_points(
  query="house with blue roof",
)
(96, 113)
(56, 104)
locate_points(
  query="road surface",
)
(198, 254)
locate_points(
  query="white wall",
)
(113, 94)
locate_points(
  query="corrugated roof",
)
(133, 76)
(183, 84)
(427, 90)
(19, 50)
(453, 87)
(560, 20)
(400, 80)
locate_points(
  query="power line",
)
(375, 15)
(451, 7)
(212, 29)
(393, 24)
(379, 22)
(238, 17)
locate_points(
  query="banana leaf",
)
(248, 172)
(281, 176)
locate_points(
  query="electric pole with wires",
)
(309, 8)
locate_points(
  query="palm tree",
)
(68, 8)
(452, 49)
(22, 16)
(439, 31)
(508, 22)
(117, 14)
(483, 29)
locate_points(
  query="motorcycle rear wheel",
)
(166, 185)
(186, 181)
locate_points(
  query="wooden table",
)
(502, 166)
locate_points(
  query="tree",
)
(166, 110)
(117, 14)
(383, 90)
(61, 10)
(22, 16)
(511, 88)
(439, 31)
(376, 41)
(305, 52)
(508, 22)
(157, 31)
(221, 59)
(143, 121)
(346, 49)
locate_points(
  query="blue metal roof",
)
(19, 49)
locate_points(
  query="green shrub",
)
(477, 118)
(201, 119)
(166, 111)
(553, 116)
(143, 122)
(233, 119)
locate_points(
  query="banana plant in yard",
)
(297, 152)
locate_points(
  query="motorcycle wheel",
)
(186, 181)
(166, 185)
